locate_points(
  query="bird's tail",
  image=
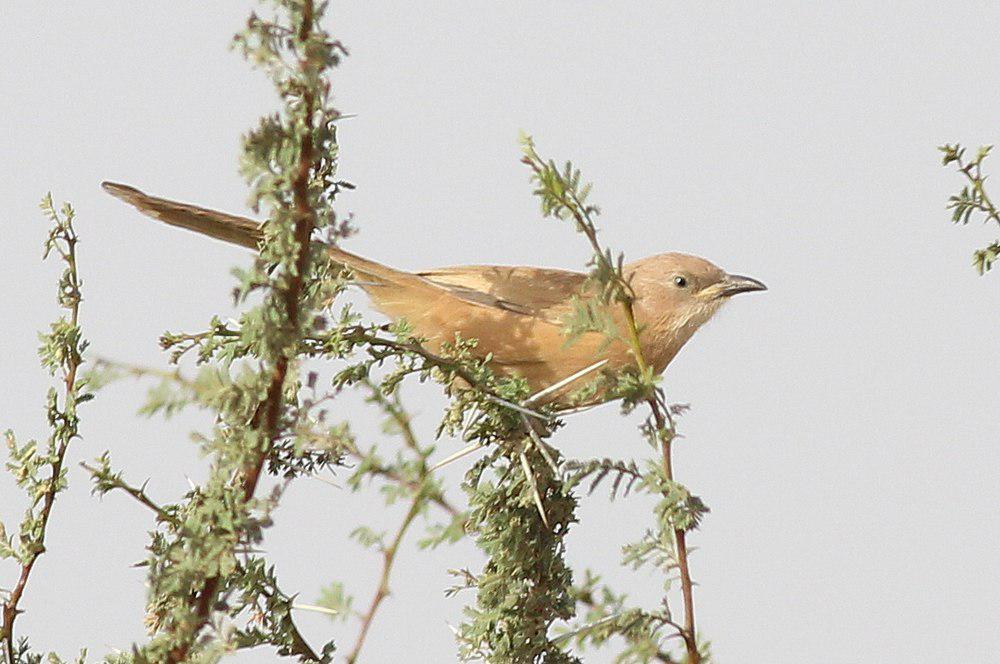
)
(237, 230)
(242, 231)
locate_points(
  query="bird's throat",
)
(664, 337)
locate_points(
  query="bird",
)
(517, 315)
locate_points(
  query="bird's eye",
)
(680, 282)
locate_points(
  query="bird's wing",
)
(237, 230)
(542, 292)
(514, 313)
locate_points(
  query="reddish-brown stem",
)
(422, 494)
(687, 588)
(388, 559)
(10, 606)
(624, 294)
(268, 414)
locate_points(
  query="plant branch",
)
(587, 600)
(267, 416)
(108, 482)
(564, 197)
(972, 198)
(665, 430)
(298, 646)
(62, 351)
(423, 491)
(382, 591)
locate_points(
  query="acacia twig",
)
(63, 239)
(268, 412)
(563, 197)
(661, 656)
(665, 435)
(382, 591)
(112, 482)
(423, 492)
(973, 198)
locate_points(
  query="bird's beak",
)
(734, 284)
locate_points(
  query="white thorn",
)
(473, 418)
(520, 409)
(316, 609)
(457, 455)
(326, 481)
(573, 411)
(564, 382)
(526, 467)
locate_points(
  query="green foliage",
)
(39, 469)
(526, 585)
(972, 200)
(564, 196)
(625, 474)
(210, 590)
(202, 558)
(677, 511)
(335, 598)
(607, 615)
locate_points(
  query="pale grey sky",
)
(844, 425)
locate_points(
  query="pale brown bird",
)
(517, 314)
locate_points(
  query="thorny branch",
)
(665, 434)
(973, 198)
(382, 590)
(62, 351)
(587, 599)
(356, 335)
(266, 418)
(564, 197)
(422, 490)
(105, 481)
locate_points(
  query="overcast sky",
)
(843, 425)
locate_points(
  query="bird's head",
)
(678, 293)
